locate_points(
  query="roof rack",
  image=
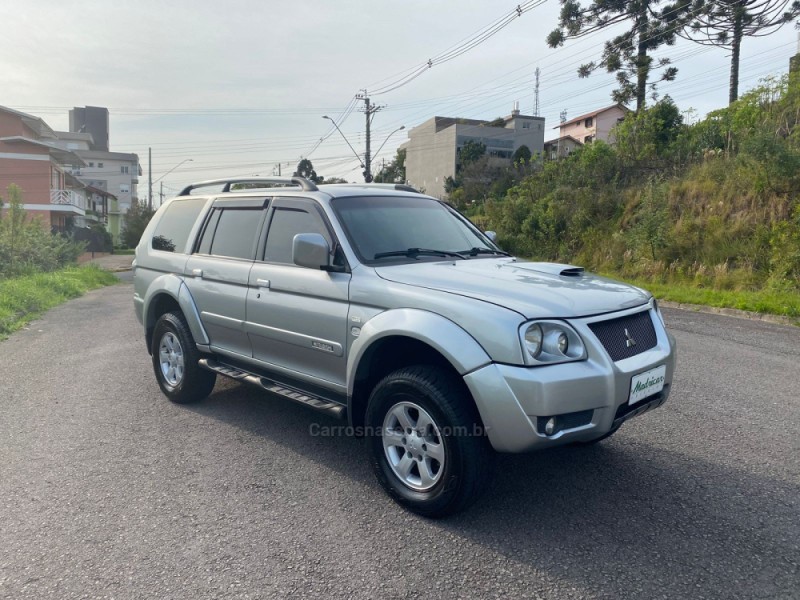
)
(301, 182)
(400, 187)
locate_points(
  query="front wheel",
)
(175, 361)
(427, 445)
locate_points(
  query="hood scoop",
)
(549, 268)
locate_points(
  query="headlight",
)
(533, 340)
(549, 342)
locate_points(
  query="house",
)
(31, 158)
(114, 172)
(560, 147)
(596, 125)
(433, 147)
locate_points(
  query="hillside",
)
(712, 205)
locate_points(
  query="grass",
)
(783, 303)
(22, 299)
(124, 251)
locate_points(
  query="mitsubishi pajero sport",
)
(388, 309)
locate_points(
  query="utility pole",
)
(150, 178)
(161, 195)
(369, 112)
(536, 94)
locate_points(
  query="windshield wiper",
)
(476, 251)
(414, 252)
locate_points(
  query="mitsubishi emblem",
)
(629, 341)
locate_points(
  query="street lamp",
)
(161, 194)
(387, 139)
(173, 168)
(361, 162)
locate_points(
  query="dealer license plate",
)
(647, 383)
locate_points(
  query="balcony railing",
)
(67, 197)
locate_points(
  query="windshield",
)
(407, 228)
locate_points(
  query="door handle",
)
(264, 283)
(197, 272)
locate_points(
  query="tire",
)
(175, 361)
(442, 471)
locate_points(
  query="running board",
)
(316, 402)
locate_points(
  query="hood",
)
(536, 290)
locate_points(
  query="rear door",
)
(217, 272)
(297, 317)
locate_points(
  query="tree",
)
(395, 171)
(470, 152)
(306, 169)
(521, 155)
(647, 135)
(134, 222)
(627, 54)
(725, 23)
(330, 180)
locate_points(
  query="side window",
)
(208, 233)
(172, 231)
(285, 224)
(235, 234)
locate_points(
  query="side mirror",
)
(310, 250)
(492, 235)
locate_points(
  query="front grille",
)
(612, 335)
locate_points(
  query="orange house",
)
(30, 159)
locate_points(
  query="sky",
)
(236, 88)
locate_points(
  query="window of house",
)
(123, 169)
(526, 125)
(588, 122)
(588, 139)
(124, 188)
(91, 164)
(99, 165)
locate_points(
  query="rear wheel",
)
(428, 448)
(175, 361)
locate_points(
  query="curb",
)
(732, 312)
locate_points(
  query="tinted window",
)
(172, 231)
(208, 234)
(376, 225)
(236, 233)
(286, 223)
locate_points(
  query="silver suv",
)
(387, 308)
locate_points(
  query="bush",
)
(134, 223)
(26, 246)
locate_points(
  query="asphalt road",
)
(109, 491)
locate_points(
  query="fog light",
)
(550, 426)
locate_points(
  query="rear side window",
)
(172, 231)
(231, 232)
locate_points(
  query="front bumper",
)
(590, 397)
